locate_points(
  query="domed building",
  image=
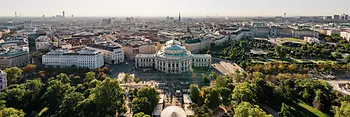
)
(172, 58)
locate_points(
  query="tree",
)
(54, 94)
(239, 77)
(318, 100)
(141, 104)
(141, 114)
(34, 86)
(337, 55)
(11, 112)
(194, 93)
(205, 79)
(29, 68)
(137, 80)
(43, 112)
(89, 76)
(212, 76)
(13, 73)
(242, 92)
(2, 104)
(146, 100)
(292, 68)
(245, 109)
(224, 94)
(88, 108)
(211, 97)
(68, 103)
(343, 110)
(109, 97)
(63, 78)
(221, 81)
(127, 78)
(285, 91)
(347, 58)
(285, 111)
(14, 96)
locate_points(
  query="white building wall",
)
(90, 61)
(345, 35)
(3, 80)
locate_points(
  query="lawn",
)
(200, 70)
(313, 110)
(291, 40)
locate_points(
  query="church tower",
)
(179, 17)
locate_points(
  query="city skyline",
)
(160, 8)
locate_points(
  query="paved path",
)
(334, 84)
(226, 67)
(270, 110)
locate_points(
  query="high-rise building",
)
(336, 17)
(106, 21)
(345, 17)
(63, 14)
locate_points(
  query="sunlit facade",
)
(172, 58)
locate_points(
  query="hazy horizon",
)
(163, 8)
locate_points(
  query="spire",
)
(179, 17)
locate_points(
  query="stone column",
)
(136, 62)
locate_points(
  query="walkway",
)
(334, 84)
(270, 110)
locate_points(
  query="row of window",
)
(145, 60)
(200, 60)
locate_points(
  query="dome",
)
(173, 111)
(173, 49)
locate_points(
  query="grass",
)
(200, 70)
(313, 110)
(291, 40)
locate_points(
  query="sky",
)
(163, 8)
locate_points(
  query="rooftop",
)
(103, 46)
(74, 52)
(12, 52)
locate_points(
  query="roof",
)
(104, 47)
(172, 42)
(13, 42)
(12, 52)
(81, 52)
(190, 41)
(144, 55)
(201, 55)
(173, 111)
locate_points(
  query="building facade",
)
(172, 58)
(84, 58)
(275, 31)
(13, 57)
(3, 80)
(111, 54)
